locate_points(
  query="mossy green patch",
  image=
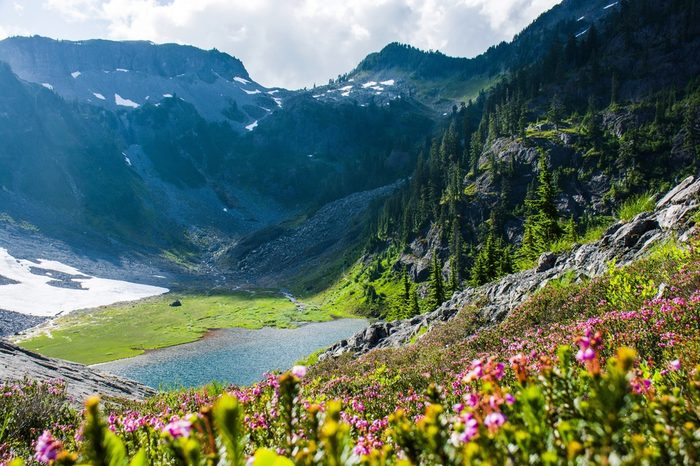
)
(126, 330)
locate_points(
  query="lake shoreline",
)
(235, 356)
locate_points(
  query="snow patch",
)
(256, 91)
(278, 101)
(252, 126)
(33, 295)
(345, 89)
(369, 84)
(241, 80)
(388, 82)
(122, 70)
(610, 6)
(99, 96)
(581, 18)
(581, 33)
(75, 74)
(346, 94)
(119, 100)
(168, 96)
(47, 86)
(273, 92)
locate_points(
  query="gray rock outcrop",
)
(81, 381)
(622, 242)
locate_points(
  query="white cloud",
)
(295, 43)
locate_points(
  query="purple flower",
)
(471, 428)
(494, 420)
(587, 354)
(510, 399)
(675, 365)
(47, 448)
(177, 428)
(299, 371)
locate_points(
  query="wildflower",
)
(299, 371)
(177, 428)
(494, 420)
(675, 365)
(472, 400)
(510, 399)
(587, 354)
(47, 448)
(471, 428)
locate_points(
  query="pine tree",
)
(541, 227)
(556, 111)
(406, 289)
(437, 285)
(415, 307)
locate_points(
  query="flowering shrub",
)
(568, 378)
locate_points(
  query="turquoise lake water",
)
(232, 356)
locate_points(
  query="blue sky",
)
(289, 43)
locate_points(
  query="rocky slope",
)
(81, 381)
(278, 253)
(622, 242)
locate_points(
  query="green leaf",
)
(139, 459)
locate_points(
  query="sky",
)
(286, 43)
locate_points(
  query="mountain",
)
(174, 173)
(440, 81)
(546, 157)
(127, 75)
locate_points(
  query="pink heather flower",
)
(675, 365)
(47, 448)
(177, 428)
(510, 399)
(494, 420)
(587, 354)
(299, 371)
(458, 408)
(471, 428)
(472, 400)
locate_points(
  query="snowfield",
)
(47, 288)
(119, 100)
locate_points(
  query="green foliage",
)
(635, 206)
(625, 288)
(492, 261)
(437, 284)
(541, 227)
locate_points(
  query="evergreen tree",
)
(541, 227)
(406, 290)
(556, 111)
(415, 307)
(437, 285)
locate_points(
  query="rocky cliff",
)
(81, 381)
(622, 242)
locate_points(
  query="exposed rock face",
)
(624, 242)
(81, 381)
(14, 322)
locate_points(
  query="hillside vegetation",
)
(611, 377)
